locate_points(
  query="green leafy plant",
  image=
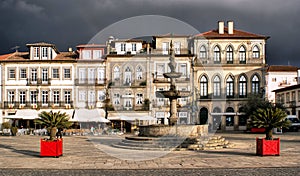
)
(6, 125)
(54, 120)
(269, 118)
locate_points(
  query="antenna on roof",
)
(15, 48)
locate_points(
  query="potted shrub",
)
(269, 118)
(53, 121)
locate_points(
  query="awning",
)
(26, 114)
(130, 116)
(89, 115)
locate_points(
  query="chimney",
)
(230, 27)
(221, 27)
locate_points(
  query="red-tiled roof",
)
(282, 68)
(5, 56)
(236, 34)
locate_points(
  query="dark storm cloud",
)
(68, 23)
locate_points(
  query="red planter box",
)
(51, 148)
(267, 147)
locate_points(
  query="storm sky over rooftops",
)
(67, 23)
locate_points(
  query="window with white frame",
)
(82, 95)
(56, 97)
(101, 95)
(242, 55)
(33, 74)
(160, 68)
(287, 98)
(55, 73)
(11, 96)
(203, 86)
(160, 100)
(182, 117)
(22, 97)
(217, 55)
(97, 54)
(33, 97)
(229, 87)
(139, 73)
(255, 52)
(44, 74)
(229, 55)
(165, 48)
(36, 52)
(12, 73)
(134, 47)
(242, 86)
(44, 52)
(183, 69)
(23, 73)
(177, 47)
(44, 97)
(116, 73)
(127, 103)
(86, 54)
(67, 95)
(217, 86)
(202, 54)
(116, 99)
(139, 99)
(127, 75)
(255, 85)
(123, 46)
(67, 73)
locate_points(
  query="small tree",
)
(54, 120)
(269, 118)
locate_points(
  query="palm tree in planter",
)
(269, 118)
(53, 121)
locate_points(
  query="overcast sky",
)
(67, 23)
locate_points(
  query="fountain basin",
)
(177, 130)
(172, 75)
(173, 94)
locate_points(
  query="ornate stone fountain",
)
(172, 94)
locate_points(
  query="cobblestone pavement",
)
(80, 153)
(165, 172)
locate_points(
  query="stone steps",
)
(173, 142)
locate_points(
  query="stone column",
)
(173, 110)
(236, 123)
(223, 123)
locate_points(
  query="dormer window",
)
(97, 54)
(36, 52)
(86, 54)
(44, 52)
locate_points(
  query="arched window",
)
(127, 75)
(202, 54)
(203, 86)
(255, 52)
(139, 73)
(229, 55)
(242, 55)
(242, 87)
(116, 73)
(229, 87)
(255, 84)
(217, 55)
(217, 86)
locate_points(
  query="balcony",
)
(90, 82)
(38, 105)
(38, 82)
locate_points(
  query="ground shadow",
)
(228, 153)
(24, 152)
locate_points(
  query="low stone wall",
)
(177, 130)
